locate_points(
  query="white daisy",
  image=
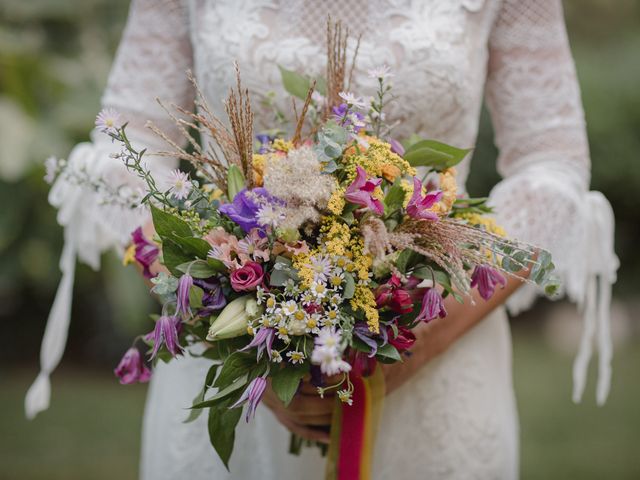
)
(295, 357)
(270, 216)
(345, 397)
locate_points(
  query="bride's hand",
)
(307, 416)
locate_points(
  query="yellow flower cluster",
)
(488, 223)
(449, 189)
(378, 160)
(259, 162)
(336, 201)
(336, 236)
(282, 145)
(363, 299)
(302, 263)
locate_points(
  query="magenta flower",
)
(361, 191)
(166, 331)
(131, 369)
(262, 339)
(486, 278)
(146, 252)
(247, 277)
(184, 285)
(252, 395)
(418, 207)
(432, 306)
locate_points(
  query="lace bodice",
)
(445, 55)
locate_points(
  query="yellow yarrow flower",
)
(282, 145)
(378, 160)
(336, 202)
(363, 299)
(488, 223)
(449, 188)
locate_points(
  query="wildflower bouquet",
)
(308, 257)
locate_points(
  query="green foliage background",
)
(54, 60)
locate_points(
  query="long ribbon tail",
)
(55, 335)
(354, 429)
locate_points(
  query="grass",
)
(92, 430)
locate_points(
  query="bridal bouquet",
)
(308, 257)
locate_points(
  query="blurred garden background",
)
(54, 60)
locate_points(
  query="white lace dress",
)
(455, 419)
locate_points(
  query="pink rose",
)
(247, 277)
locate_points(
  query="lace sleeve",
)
(534, 99)
(151, 62)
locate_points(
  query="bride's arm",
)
(151, 61)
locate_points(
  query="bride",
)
(454, 414)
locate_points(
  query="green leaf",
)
(194, 246)
(235, 181)
(236, 365)
(228, 390)
(198, 268)
(195, 297)
(296, 84)
(434, 154)
(394, 197)
(389, 351)
(286, 380)
(349, 286)
(167, 225)
(173, 255)
(222, 429)
(406, 258)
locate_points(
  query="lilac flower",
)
(362, 189)
(418, 207)
(246, 205)
(261, 340)
(108, 120)
(146, 252)
(166, 331)
(131, 369)
(486, 278)
(252, 395)
(213, 297)
(432, 306)
(184, 285)
(179, 184)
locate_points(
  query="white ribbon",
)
(55, 335)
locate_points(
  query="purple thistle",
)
(146, 252)
(432, 306)
(166, 331)
(262, 339)
(418, 207)
(252, 395)
(184, 285)
(131, 369)
(486, 278)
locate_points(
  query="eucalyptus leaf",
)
(349, 286)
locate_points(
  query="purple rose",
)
(247, 277)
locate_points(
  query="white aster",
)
(270, 215)
(381, 72)
(179, 184)
(108, 120)
(345, 397)
(295, 357)
(352, 100)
